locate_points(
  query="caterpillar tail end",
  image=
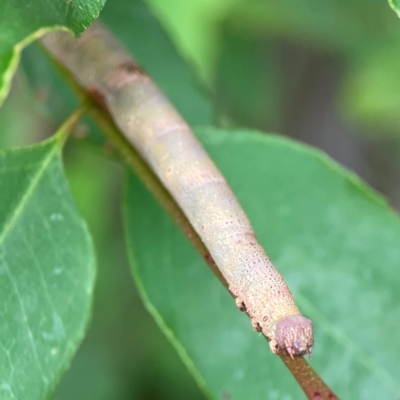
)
(295, 335)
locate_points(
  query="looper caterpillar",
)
(166, 142)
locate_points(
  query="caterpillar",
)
(153, 126)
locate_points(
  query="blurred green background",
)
(325, 73)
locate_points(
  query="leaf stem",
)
(68, 126)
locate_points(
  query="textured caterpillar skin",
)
(163, 138)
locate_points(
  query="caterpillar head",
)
(295, 335)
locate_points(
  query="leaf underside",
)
(336, 243)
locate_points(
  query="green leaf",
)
(336, 243)
(24, 21)
(193, 26)
(46, 271)
(395, 4)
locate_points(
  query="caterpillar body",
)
(149, 121)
